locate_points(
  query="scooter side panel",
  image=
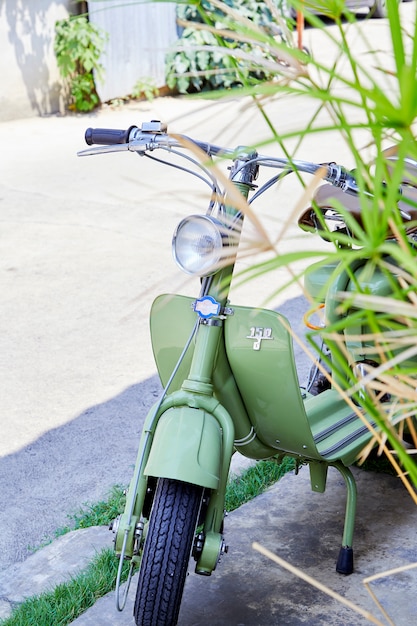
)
(260, 352)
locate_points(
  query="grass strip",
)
(97, 514)
(255, 480)
(68, 600)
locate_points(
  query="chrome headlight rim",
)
(199, 252)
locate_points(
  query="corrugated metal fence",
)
(139, 36)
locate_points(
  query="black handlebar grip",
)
(107, 136)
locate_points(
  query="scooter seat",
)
(327, 199)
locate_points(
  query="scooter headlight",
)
(198, 245)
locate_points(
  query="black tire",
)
(166, 553)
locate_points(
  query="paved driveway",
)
(85, 247)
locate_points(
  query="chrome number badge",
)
(258, 334)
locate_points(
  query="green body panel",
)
(319, 427)
(374, 281)
(172, 322)
(316, 280)
(379, 285)
(319, 280)
(370, 280)
(267, 379)
(187, 446)
(259, 387)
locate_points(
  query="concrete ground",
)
(85, 247)
(247, 589)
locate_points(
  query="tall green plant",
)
(78, 49)
(362, 102)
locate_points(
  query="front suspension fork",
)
(130, 525)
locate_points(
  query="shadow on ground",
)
(68, 466)
(80, 461)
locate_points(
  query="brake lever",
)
(120, 147)
(141, 143)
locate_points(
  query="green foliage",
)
(240, 489)
(378, 464)
(97, 514)
(255, 481)
(103, 512)
(255, 10)
(78, 48)
(145, 88)
(204, 61)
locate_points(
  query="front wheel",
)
(166, 553)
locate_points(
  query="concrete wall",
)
(30, 82)
(139, 36)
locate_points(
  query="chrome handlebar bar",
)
(153, 135)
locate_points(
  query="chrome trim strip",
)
(245, 440)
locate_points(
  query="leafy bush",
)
(204, 61)
(78, 48)
(145, 88)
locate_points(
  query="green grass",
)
(70, 599)
(240, 489)
(254, 481)
(97, 514)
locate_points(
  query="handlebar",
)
(152, 135)
(108, 136)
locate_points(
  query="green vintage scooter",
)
(230, 384)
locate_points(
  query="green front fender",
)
(187, 446)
